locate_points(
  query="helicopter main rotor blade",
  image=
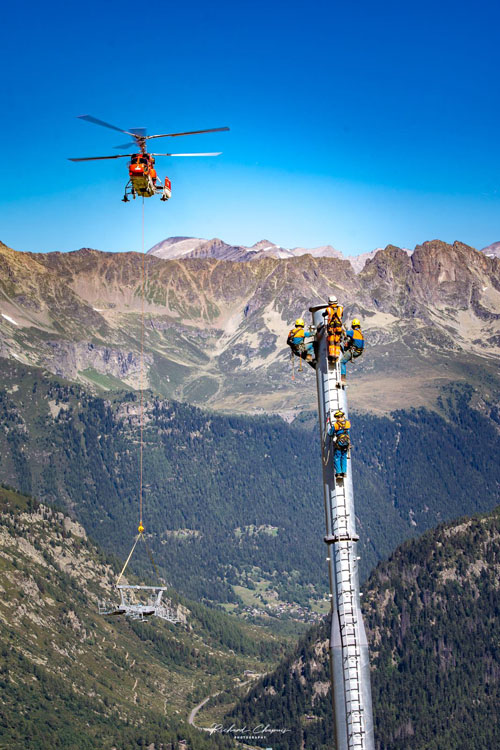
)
(213, 153)
(139, 134)
(97, 158)
(191, 132)
(94, 120)
(130, 144)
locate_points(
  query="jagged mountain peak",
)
(263, 245)
(218, 249)
(448, 261)
(383, 259)
(224, 324)
(438, 245)
(191, 247)
(176, 247)
(83, 251)
(493, 250)
(175, 240)
(323, 251)
(392, 251)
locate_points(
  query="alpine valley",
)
(432, 619)
(232, 489)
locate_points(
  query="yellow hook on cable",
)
(140, 528)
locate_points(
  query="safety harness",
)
(342, 441)
(355, 343)
(336, 319)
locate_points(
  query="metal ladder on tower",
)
(348, 628)
(346, 604)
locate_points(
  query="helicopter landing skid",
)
(129, 191)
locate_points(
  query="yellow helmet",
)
(355, 323)
(299, 322)
(339, 413)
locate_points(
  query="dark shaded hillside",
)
(73, 679)
(432, 613)
(417, 461)
(229, 500)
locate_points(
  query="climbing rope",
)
(327, 450)
(325, 436)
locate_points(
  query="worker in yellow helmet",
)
(333, 315)
(339, 431)
(301, 342)
(354, 344)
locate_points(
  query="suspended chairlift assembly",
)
(140, 602)
(137, 610)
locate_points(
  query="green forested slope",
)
(72, 679)
(230, 500)
(432, 615)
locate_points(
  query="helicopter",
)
(143, 179)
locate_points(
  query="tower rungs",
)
(335, 538)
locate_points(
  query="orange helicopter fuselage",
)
(142, 174)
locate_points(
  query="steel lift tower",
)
(349, 661)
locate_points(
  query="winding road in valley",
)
(195, 711)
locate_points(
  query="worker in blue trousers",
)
(354, 345)
(302, 342)
(339, 432)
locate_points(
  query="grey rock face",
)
(427, 316)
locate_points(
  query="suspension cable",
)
(140, 528)
(141, 379)
(128, 559)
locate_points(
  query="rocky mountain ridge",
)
(192, 247)
(492, 251)
(215, 331)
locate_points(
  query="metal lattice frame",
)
(156, 605)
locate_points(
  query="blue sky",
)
(355, 125)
